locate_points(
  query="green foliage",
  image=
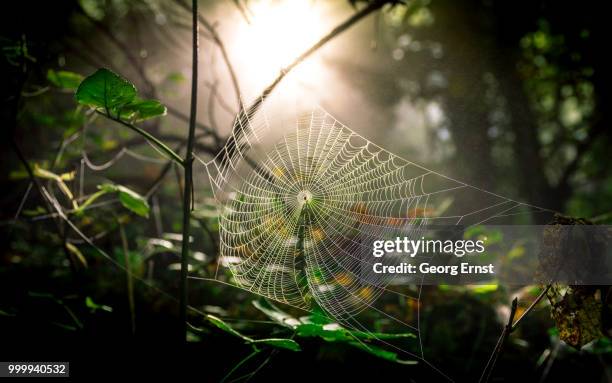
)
(76, 253)
(59, 179)
(112, 94)
(320, 327)
(275, 314)
(382, 353)
(287, 344)
(93, 306)
(105, 90)
(128, 198)
(333, 332)
(140, 110)
(64, 79)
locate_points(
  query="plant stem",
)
(89, 201)
(188, 167)
(160, 145)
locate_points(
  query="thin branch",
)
(217, 39)
(188, 166)
(244, 11)
(499, 347)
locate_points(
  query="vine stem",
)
(188, 168)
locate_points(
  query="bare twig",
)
(531, 307)
(499, 347)
(217, 39)
(244, 11)
(508, 329)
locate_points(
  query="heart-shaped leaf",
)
(105, 90)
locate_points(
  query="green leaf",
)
(129, 199)
(64, 79)
(105, 90)
(484, 289)
(335, 333)
(287, 344)
(59, 179)
(225, 327)
(6, 314)
(76, 253)
(140, 110)
(93, 306)
(112, 94)
(276, 314)
(382, 353)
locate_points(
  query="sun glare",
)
(277, 33)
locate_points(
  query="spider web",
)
(298, 217)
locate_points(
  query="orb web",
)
(299, 216)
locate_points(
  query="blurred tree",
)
(528, 80)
